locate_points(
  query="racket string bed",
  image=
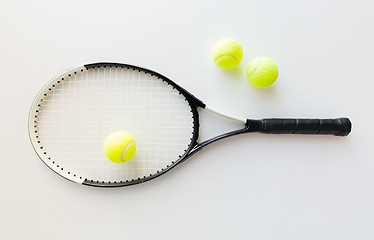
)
(85, 106)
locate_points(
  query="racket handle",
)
(337, 126)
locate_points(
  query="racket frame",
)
(193, 102)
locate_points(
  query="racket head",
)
(74, 112)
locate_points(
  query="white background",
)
(247, 187)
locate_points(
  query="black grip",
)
(337, 126)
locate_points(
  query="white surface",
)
(246, 187)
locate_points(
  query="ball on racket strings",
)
(119, 147)
(227, 53)
(262, 72)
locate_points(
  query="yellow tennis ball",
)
(119, 147)
(227, 53)
(262, 72)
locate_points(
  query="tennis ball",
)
(227, 53)
(119, 147)
(262, 72)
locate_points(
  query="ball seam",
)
(258, 64)
(125, 149)
(274, 79)
(226, 55)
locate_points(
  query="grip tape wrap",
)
(337, 126)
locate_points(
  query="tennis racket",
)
(73, 114)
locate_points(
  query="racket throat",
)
(201, 145)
